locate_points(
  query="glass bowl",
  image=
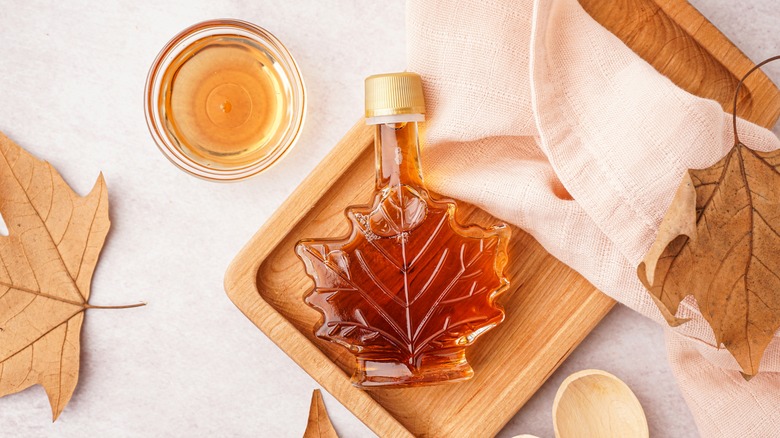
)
(187, 154)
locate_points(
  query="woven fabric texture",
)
(542, 117)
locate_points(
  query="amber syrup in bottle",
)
(409, 288)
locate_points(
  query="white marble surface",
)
(190, 364)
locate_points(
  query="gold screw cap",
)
(394, 93)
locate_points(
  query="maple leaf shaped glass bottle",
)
(409, 288)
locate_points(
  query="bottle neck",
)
(398, 155)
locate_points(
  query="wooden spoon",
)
(596, 404)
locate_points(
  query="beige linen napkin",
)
(530, 101)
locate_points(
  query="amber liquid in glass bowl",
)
(225, 100)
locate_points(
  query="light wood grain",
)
(594, 403)
(550, 307)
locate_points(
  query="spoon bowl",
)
(596, 404)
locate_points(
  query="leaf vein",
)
(48, 232)
(40, 337)
(362, 293)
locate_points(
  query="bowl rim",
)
(186, 38)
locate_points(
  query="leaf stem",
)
(126, 306)
(739, 86)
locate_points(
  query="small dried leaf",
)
(720, 242)
(46, 266)
(319, 423)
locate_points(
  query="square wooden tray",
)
(550, 308)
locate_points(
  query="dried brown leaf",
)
(46, 267)
(319, 425)
(720, 242)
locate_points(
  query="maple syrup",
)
(225, 101)
(409, 289)
(228, 99)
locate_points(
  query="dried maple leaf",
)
(719, 241)
(46, 266)
(409, 281)
(319, 425)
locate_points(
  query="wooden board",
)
(550, 307)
